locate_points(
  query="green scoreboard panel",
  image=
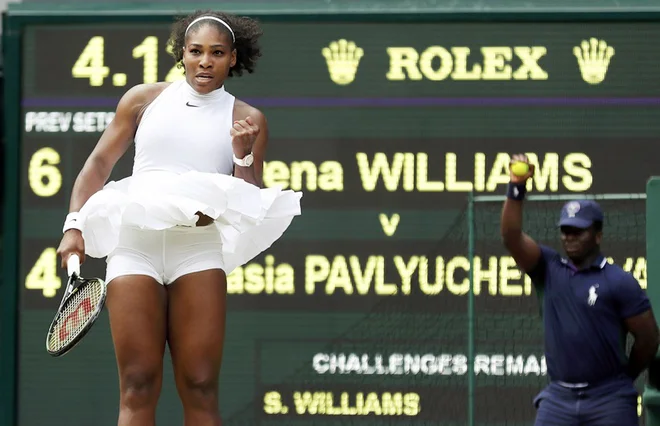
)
(358, 315)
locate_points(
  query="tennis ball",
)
(520, 168)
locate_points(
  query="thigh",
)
(610, 410)
(138, 321)
(555, 410)
(196, 324)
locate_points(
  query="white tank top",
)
(182, 131)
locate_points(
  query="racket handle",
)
(73, 265)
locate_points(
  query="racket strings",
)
(75, 315)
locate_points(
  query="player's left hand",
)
(243, 135)
(203, 220)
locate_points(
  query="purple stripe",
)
(374, 102)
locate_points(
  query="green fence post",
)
(9, 282)
(470, 309)
(651, 395)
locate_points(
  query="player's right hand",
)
(72, 243)
(520, 179)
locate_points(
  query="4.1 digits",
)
(91, 65)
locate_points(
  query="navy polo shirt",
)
(583, 313)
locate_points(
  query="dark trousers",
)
(609, 404)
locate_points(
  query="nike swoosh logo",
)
(191, 105)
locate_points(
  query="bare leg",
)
(138, 313)
(196, 333)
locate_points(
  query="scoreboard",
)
(358, 315)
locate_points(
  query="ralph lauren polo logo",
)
(593, 296)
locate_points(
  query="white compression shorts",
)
(165, 255)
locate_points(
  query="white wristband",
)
(73, 221)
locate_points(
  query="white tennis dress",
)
(183, 165)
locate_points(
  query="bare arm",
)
(253, 138)
(114, 142)
(524, 250)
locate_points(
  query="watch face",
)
(249, 159)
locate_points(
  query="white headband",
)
(233, 37)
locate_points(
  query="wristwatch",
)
(245, 161)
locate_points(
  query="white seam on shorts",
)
(141, 273)
(197, 265)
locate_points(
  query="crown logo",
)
(343, 59)
(593, 58)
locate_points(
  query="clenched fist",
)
(243, 135)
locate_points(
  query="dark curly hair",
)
(246, 31)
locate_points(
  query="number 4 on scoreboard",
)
(90, 62)
(43, 275)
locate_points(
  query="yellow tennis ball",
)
(520, 168)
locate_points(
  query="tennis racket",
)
(81, 304)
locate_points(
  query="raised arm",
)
(249, 135)
(113, 143)
(524, 250)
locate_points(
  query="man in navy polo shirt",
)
(588, 307)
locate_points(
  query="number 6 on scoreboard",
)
(44, 177)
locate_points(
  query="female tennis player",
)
(192, 211)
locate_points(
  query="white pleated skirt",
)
(249, 219)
